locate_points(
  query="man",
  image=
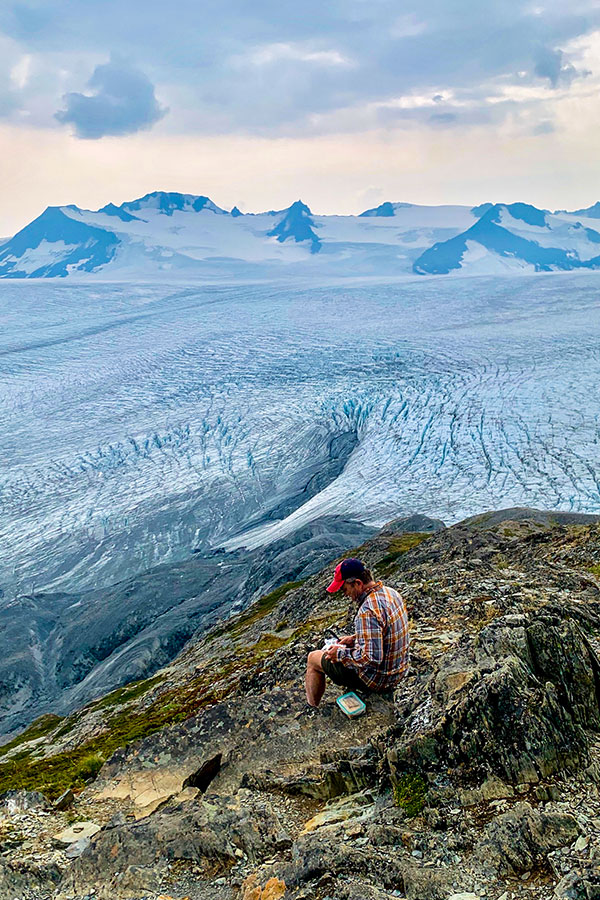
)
(375, 657)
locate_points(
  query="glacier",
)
(143, 421)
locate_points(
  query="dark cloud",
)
(122, 102)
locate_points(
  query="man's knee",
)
(313, 660)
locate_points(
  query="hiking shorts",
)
(343, 675)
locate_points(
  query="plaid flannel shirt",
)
(380, 651)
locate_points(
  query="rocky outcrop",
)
(517, 699)
(518, 840)
(477, 777)
(208, 831)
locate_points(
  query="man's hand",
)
(331, 652)
(347, 640)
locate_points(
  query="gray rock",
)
(526, 702)
(65, 800)
(413, 523)
(361, 891)
(219, 831)
(428, 884)
(77, 848)
(570, 887)
(20, 801)
(76, 832)
(313, 856)
(544, 517)
(17, 878)
(515, 841)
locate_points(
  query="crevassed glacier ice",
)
(141, 421)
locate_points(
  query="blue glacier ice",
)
(143, 421)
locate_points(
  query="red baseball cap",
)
(348, 568)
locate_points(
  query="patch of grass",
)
(595, 570)
(128, 692)
(68, 725)
(409, 794)
(74, 768)
(398, 547)
(89, 767)
(266, 645)
(38, 728)
(255, 612)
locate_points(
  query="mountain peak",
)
(297, 223)
(386, 209)
(168, 202)
(527, 213)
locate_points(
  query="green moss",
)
(73, 768)
(38, 728)
(398, 547)
(266, 645)
(409, 794)
(595, 570)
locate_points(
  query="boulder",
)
(523, 710)
(428, 884)
(65, 800)
(79, 831)
(18, 879)
(519, 839)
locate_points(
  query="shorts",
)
(343, 675)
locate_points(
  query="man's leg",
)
(315, 678)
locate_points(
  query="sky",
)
(344, 104)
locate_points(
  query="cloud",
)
(276, 69)
(551, 64)
(272, 53)
(122, 102)
(20, 72)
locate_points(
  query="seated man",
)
(375, 657)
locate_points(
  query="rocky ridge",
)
(477, 778)
(57, 651)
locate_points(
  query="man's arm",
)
(368, 645)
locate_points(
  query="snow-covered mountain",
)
(170, 234)
(189, 235)
(517, 236)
